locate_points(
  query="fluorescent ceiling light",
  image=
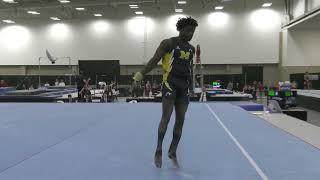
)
(33, 12)
(64, 1)
(80, 9)
(182, 2)
(179, 10)
(139, 12)
(55, 19)
(266, 4)
(8, 21)
(218, 7)
(133, 5)
(97, 15)
(9, 1)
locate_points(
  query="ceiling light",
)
(8, 21)
(9, 1)
(179, 10)
(97, 15)
(133, 5)
(139, 12)
(266, 4)
(33, 12)
(55, 19)
(64, 1)
(218, 7)
(182, 2)
(80, 9)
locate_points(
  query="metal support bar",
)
(39, 69)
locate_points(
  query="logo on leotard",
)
(184, 55)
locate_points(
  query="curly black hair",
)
(187, 21)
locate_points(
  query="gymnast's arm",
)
(164, 47)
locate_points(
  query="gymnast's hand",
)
(190, 92)
(138, 76)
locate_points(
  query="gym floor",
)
(117, 141)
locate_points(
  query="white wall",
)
(233, 37)
(302, 48)
(298, 8)
(313, 4)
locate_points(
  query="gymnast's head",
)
(186, 27)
